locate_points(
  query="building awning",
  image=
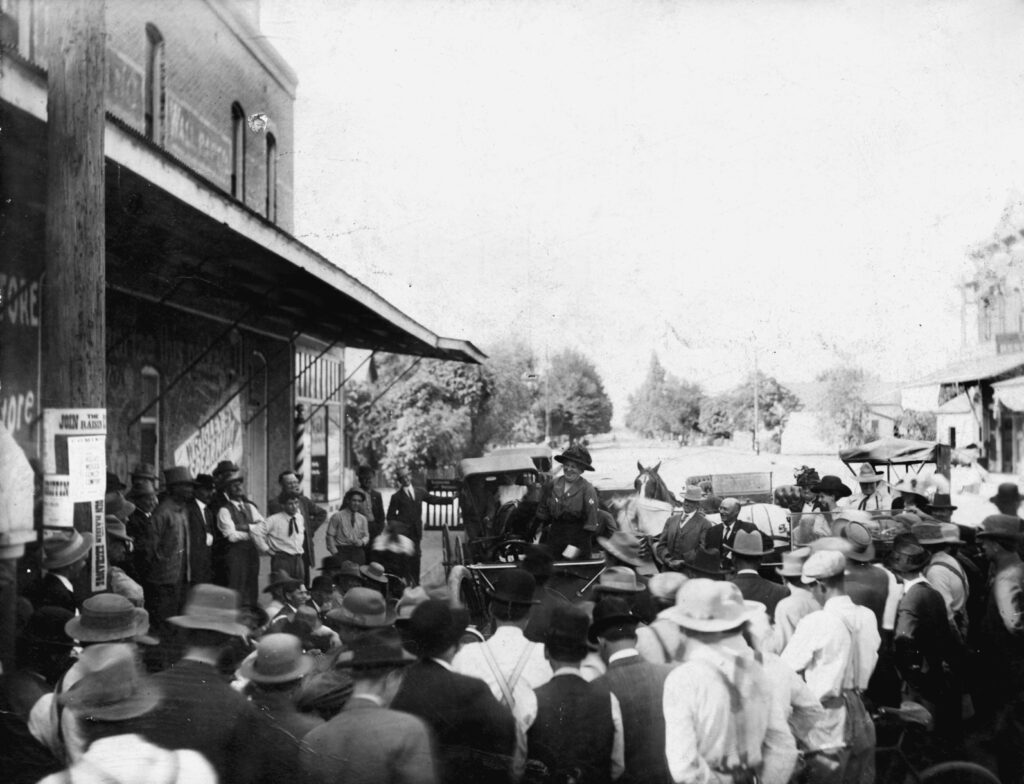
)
(176, 239)
(973, 370)
(1010, 393)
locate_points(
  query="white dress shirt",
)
(227, 525)
(274, 535)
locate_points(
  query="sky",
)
(719, 181)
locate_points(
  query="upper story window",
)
(238, 152)
(149, 425)
(271, 178)
(155, 89)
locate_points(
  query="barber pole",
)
(301, 463)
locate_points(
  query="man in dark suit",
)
(721, 537)
(748, 550)
(202, 520)
(639, 686)
(578, 730)
(373, 508)
(475, 734)
(406, 506)
(683, 533)
(63, 561)
(313, 515)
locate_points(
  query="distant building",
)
(802, 432)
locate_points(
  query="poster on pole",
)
(75, 477)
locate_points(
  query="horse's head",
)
(649, 484)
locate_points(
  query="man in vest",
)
(578, 730)
(235, 520)
(836, 649)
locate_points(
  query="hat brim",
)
(343, 616)
(609, 546)
(599, 626)
(788, 571)
(77, 631)
(281, 584)
(751, 553)
(1006, 537)
(77, 553)
(365, 572)
(224, 627)
(996, 499)
(840, 491)
(348, 660)
(563, 460)
(926, 542)
(618, 589)
(139, 704)
(750, 610)
(247, 669)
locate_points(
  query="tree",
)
(775, 403)
(916, 424)
(843, 414)
(663, 405)
(509, 416)
(575, 396)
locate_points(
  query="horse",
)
(649, 484)
(645, 512)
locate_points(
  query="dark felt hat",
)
(705, 561)
(435, 626)
(576, 454)
(379, 649)
(514, 586)
(1000, 526)
(1008, 492)
(612, 614)
(832, 485)
(566, 637)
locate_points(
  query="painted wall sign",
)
(220, 439)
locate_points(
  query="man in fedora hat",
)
(577, 734)
(748, 551)
(622, 581)
(313, 515)
(568, 507)
(119, 544)
(722, 721)
(874, 492)
(944, 572)
(274, 671)
(406, 506)
(64, 558)
(508, 663)
(638, 685)
(140, 527)
(168, 575)
(475, 734)
(797, 604)
(200, 710)
(721, 537)
(202, 522)
(368, 742)
(235, 520)
(925, 646)
(290, 594)
(836, 649)
(683, 533)
(1000, 695)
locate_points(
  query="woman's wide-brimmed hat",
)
(113, 686)
(107, 617)
(214, 608)
(612, 613)
(748, 543)
(626, 546)
(576, 454)
(514, 586)
(380, 649)
(867, 475)
(832, 485)
(278, 658)
(374, 571)
(65, 550)
(363, 608)
(1008, 492)
(618, 579)
(704, 605)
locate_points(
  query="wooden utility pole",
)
(74, 288)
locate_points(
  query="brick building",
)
(219, 322)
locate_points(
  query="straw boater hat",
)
(868, 476)
(626, 546)
(862, 548)
(832, 485)
(362, 608)
(578, 455)
(618, 579)
(64, 551)
(374, 571)
(211, 607)
(278, 658)
(112, 686)
(749, 543)
(710, 606)
(793, 561)
(379, 650)
(107, 617)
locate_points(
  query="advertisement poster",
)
(220, 439)
(75, 477)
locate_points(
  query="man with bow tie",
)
(282, 536)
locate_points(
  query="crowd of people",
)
(698, 660)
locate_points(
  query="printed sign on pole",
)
(75, 477)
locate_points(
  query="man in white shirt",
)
(722, 717)
(944, 572)
(235, 520)
(799, 603)
(874, 492)
(282, 536)
(508, 663)
(836, 649)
